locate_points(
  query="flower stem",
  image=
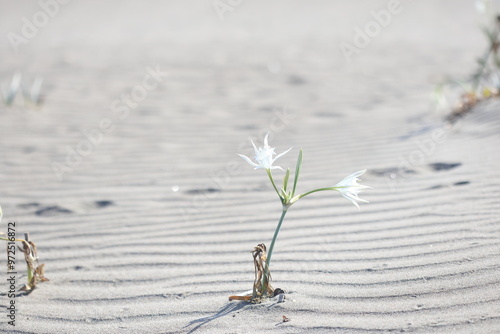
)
(274, 184)
(270, 252)
(316, 190)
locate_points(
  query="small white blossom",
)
(349, 188)
(264, 156)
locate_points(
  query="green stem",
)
(274, 184)
(270, 252)
(314, 191)
(484, 61)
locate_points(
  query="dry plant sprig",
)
(35, 271)
(262, 283)
(264, 159)
(9, 94)
(469, 100)
(480, 87)
(492, 35)
(31, 93)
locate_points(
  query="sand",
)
(150, 229)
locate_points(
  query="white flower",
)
(264, 156)
(349, 188)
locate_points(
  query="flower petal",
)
(276, 167)
(264, 156)
(351, 179)
(247, 159)
(254, 147)
(349, 188)
(266, 141)
(282, 154)
(356, 204)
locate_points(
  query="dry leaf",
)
(261, 285)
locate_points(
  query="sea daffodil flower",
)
(349, 187)
(264, 156)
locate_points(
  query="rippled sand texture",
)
(152, 230)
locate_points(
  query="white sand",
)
(421, 257)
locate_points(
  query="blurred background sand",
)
(152, 230)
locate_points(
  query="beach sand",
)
(149, 228)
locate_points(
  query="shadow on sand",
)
(225, 310)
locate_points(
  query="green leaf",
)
(297, 172)
(481, 61)
(490, 35)
(285, 180)
(496, 59)
(286, 197)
